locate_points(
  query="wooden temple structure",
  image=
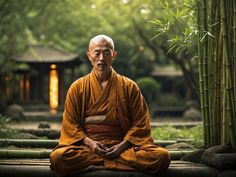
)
(42, 77)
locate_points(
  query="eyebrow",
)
(98, 50)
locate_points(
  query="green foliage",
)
(177, 24)
(168, 132)
(72, 23)
(5, 131)
(149, 88)
(170, 99)
(176, 33)
(69, 24)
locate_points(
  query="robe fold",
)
(109, 116)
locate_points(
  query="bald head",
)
(101, 38)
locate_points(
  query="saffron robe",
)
(109, 116)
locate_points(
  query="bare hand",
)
(115, 151)
(96, 147)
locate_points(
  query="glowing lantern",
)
(53, 87)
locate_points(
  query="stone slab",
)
(40, 168)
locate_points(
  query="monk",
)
(106, 121)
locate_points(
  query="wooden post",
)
(61, 87)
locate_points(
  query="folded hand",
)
(97, 147)
(115, 151)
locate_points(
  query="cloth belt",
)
(96, 128)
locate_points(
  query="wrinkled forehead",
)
(101, 42)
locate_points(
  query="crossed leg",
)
(70, 159)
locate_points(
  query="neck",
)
(102, 76)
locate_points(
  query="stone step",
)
(43, 116)
(40, 168)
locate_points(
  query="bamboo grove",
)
(216, 20)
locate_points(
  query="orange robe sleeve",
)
(139, 132)
(72, 130)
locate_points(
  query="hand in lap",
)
(97, 147)
(110, 153)
(115, 151)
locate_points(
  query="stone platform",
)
(40, 168)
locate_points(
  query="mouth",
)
(102, 65)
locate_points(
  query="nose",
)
(101, 57)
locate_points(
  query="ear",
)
(114, 54)
(88, 54)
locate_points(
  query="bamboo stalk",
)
(200, 67)
(231, 51)
(213, 89)
(211, 69)
(169, 142)
(224, 106)
(54, 143)
(217, 48)
(28, 143)
(26, 153)
(233, 31)
(218, 77)
(205, 75)
(218, 73)
(230, 93)
(234, 60)
(234, 51)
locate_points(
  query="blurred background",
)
(43, 48)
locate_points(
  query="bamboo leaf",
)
(157, 35)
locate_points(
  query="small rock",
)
(192, 104)
(227, 173)
(24, 136)
(179, 146)
(222, 157)
(44, 125)
(195, 156)
(16, 112)
(192, 114)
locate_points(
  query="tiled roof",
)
(167, 71)
(45, 54)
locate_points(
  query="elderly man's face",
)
(101, 55)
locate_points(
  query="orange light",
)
(53, 66)
(21, 88)
(53, 87)
(27, 87)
